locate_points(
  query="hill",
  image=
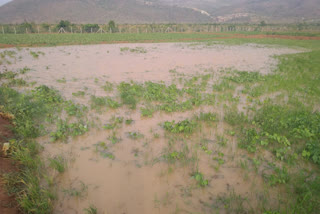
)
(96, 11)
(160, 11)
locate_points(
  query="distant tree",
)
(89, 27)
(112, 26)
(302, 25)
(45, 26)
(25, 27)
(63, 24)
(263, 23)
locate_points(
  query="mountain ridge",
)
(160, 11)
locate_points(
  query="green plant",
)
(114, 138)
(91, 210)
(156, 135)
(16, 82)
(64, 130)
(129, 93)
(235, 118)
(78, 190)
(8, 75)
(24, 70)
(174, 156)
(135, 135)
(58, 163)
(185, 126)
(134, 50)
(222, 141)
(234, 203)
(114, 122)
(224, 85)
(245, 77)
(128, 121)
(79, 94)
(200, 179)
(279, 175)
(98, 103)
(108, 86)
(32, 194)
(208, 117)
(73, 109)
(63, 80)
(36, 54)
(147, 112)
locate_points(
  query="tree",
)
(25, 27)
(45, 26)
(89, 27)
(112, 26)
(63, 24)
(263, 23)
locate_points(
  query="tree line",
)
(112, 27)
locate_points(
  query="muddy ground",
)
(137, 179)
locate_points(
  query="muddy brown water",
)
(138, 180)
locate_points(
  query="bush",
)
(89, 27)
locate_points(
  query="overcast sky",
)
(2, 2)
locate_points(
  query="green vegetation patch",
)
(185, 126)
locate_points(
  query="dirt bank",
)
(7, 203)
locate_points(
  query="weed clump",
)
(64, 130)
(198, 176)
(98, 103)
(185, 126)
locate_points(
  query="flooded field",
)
(149, 128)
(80, 65)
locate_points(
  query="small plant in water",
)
(91, 210)
(128, 121)
(198, 176)
(58, 163)
(135, 135)
(185, 126)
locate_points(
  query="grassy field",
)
(281, 117)
(72, 39)
(69, 39)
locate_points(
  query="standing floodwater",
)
(154, 137)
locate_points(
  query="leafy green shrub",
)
(88, 27)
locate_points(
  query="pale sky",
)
(2, 2)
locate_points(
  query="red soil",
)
(8, 203)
